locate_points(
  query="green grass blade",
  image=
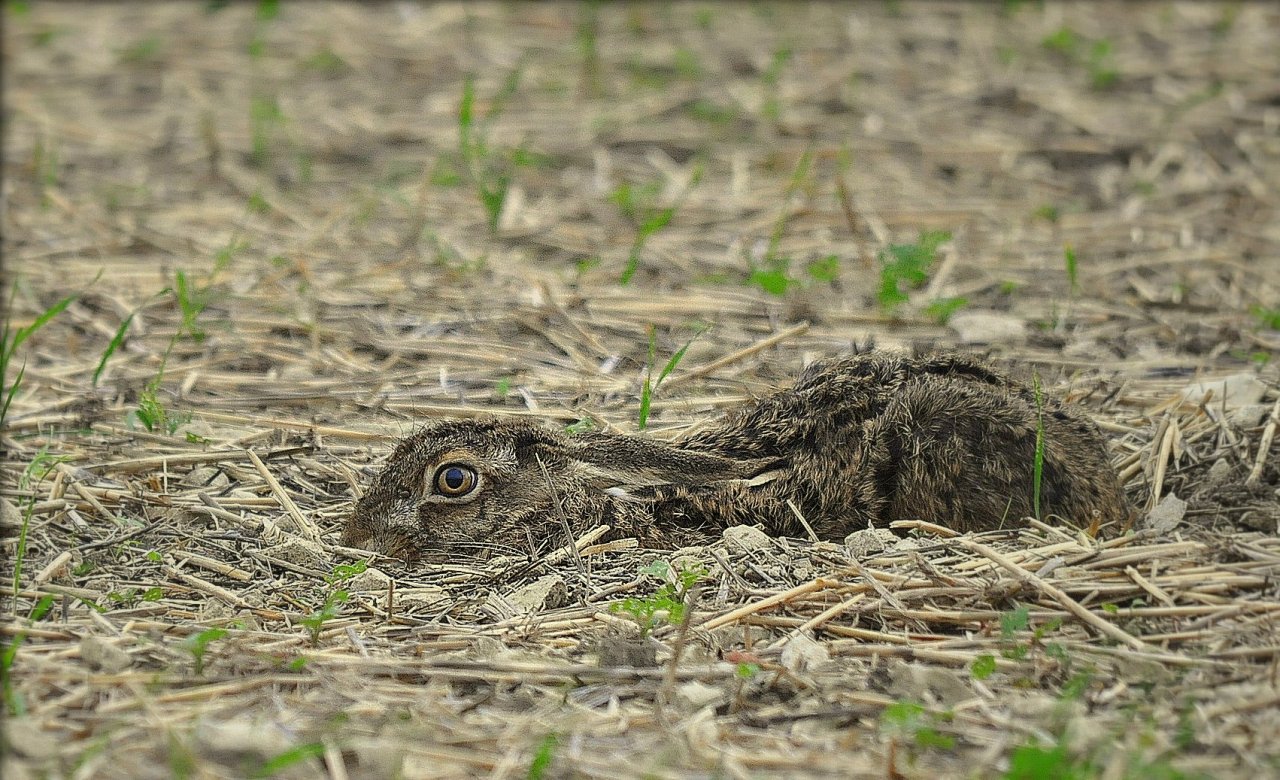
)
(646, 390)
(1038, 468)
(676, 358)
(116, 341)
(1069, 258)
(53, 311)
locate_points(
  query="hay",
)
(361, 292)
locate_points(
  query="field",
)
(248, 246)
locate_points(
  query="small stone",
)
(205, 477)
(627, 651)
(103, 656)
(988, 327)
(928, 683)
(1248, 416)
(300, 552)
(546, 592)
(1231, 392)
(241, 738)
(864, 543)
(368, 581)
(803, 653)
(25, 736)
(1219, 472)
(1166, 515)
(697, 695)
(9, 514)
(426, 596)
(748, 538)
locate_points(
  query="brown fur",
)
(856, 442)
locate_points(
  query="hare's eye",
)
(455, 480)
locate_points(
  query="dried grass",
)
(363, 296)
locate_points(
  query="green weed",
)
(543, 756)
(1094, 56)
(983, 666)
(588, 34)
(294, 755)
(912, 722)
(667, 605)
(333, 600)
(639, 206)
(117, 340)
(1072, 266)
(11, 339)
(1267, 317)
(1048, 212)
(774, 274)
(265, 121)
(489, 171)
(650, 385)
(198, 645)
(1037, 473)
(1033, 762)
(905, 267)
(941, 309)
(584, 425)
(771, 108)
(144, 51)
(13, 700)
(43, 463)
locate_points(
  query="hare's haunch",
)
(856, 442)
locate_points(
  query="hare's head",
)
(470, 485)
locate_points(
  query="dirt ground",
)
(290, 233)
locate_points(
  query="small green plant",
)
(1037, 468)
(543, 756)
(1072, 266)
(36, 471)
(12, 338)
(1034, 762)
(265, 120)
(116, 341)
(333, 600)
(1048, 212)
(1010, 624)
(650, 386)
(191, 300)
(774, 274)
(667, 604)
(911, 721)
(905, 267)
(143, 52)
(267, 11)
(584, 425)
(826, 269)
(13, 700)
(1093, 56)
(587, 35)
(639, 206)
(941, 309)
(294, 755)
(983, 666)
(771, 108)
(198, 645)
(489, 171)
(1267, 317)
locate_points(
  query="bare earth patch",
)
(293, 233)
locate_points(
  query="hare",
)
(857, 442)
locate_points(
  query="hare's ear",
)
(611, 461)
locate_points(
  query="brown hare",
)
(858, 441)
